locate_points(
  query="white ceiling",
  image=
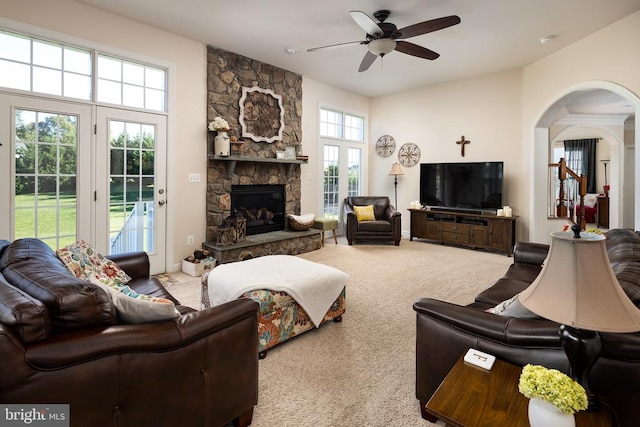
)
(494, 35)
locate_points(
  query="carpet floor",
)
(361, 372)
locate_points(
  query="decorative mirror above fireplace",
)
(261, 114)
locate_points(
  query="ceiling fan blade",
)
(334, 46)
(415, 50)
(368, 59)
(427, 26)
(366, 23)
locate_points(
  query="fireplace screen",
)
(261, 205)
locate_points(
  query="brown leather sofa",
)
(61, 343)
(445, 331)
(387, 225)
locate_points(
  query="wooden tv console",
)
(484, 231)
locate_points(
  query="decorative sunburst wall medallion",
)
(261, 114)
(385, 146)
(409, 154)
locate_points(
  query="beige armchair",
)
(386, 224)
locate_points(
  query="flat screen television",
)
(462, 186)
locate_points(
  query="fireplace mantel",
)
(231, 165)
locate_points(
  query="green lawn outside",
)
(49, 221)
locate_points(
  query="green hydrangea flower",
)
(554, 387)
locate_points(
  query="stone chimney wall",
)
(227, 74)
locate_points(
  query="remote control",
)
(479, 358)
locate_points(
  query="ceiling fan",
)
(384, 37)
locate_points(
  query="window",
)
(130, 84)
(353, 128)
(42, 66)
(131, 182)
(355, 177)
(331, 181)
(343, 152)
(62, 180)
(558, 153)
(334, 124)
(45, 176)
(48, 67)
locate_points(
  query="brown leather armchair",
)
(446, 331)
(62, 343)
(387, 224)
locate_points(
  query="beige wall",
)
(187, 124)
(607, 59)
(486, 110)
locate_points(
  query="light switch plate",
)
(194, 177)
(480, 359)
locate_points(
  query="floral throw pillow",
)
(84, 261)
(87, 263)
(133, 307)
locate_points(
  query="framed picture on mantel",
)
(290, 152)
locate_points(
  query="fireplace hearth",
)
(262, 205)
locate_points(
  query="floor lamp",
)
(578, 289)
(395, 171)
(606, 185)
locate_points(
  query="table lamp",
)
(396, 170)
(578, 289)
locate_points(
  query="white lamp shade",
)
(381, 46)
(577, 287)
(396, 169)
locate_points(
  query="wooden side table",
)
(473, 397)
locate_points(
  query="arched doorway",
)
(624, 204)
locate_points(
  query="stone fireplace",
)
(261, 205)
(228, 182)
(255, 174)
(255, 165)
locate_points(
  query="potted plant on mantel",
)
(554, 397)
(221, 142)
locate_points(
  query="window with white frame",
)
(35, 65)
(355, 174)
(335, 124)
(51, 137)
(52, 68)
(130, 84)
(342, 141)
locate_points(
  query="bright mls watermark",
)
(34, 415)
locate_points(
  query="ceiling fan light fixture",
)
(381, 46)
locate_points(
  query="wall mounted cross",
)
(462, 143)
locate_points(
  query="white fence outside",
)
(137, 232)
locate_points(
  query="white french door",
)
(59, 186)
(131, 184)
(342, 175)
(45, 158)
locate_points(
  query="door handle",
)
(161, 202)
